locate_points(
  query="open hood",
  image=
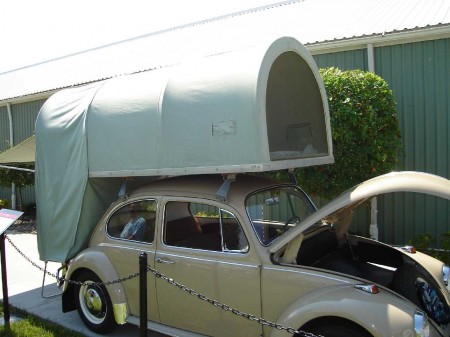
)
(392, 182)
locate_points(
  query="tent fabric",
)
(23, 153)
(206, 116)
(61, 178)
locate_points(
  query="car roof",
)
(206, 186)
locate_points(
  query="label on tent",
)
(224, 128)
(7, 218)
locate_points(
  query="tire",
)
(423, 291)
(94, 304)
(336, 330)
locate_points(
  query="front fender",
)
(96, 261)
(382, 314)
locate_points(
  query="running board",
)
(164, 329)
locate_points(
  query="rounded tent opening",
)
(295, 129)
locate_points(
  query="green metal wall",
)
(4, 143)
(419, 75)
(24, 117)
(4, 129)
(345, 60)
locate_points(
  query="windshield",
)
(273, 212)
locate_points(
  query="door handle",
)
(164, 261)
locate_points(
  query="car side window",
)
(134, 221)
(203, 226)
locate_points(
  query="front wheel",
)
(94, 304)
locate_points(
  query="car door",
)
(203, 247)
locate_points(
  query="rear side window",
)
(134, 221)
(203, 226)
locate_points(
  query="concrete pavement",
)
(25, 288)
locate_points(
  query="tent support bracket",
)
(43, 285)
(223, 190)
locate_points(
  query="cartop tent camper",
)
(253, 109)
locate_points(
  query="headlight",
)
(421, 325)
(446, 275)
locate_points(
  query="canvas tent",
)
(252, 109)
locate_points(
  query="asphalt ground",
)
(25, 289)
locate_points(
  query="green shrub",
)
(4, 203)
(19, 178)
(365, 133)
(426, 242)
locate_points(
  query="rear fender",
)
(96, 261)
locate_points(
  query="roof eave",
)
(28, 98)
(380, 40)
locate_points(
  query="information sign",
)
(7, 218)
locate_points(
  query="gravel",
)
(26, 225)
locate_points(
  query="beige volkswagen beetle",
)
(257, 246)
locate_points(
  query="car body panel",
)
(221, 276)
(128, 259)
(95, 260)
(433, 267)
(321, 294)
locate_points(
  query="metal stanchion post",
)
(6, 314)
(143, 293)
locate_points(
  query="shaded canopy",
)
(23, 153)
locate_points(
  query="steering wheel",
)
(295, 219)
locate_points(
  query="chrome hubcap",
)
(93, 301)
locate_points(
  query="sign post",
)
(7, 218)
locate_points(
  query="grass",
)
(32, 326)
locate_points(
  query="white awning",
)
(24, 153)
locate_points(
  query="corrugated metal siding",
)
(345, 60)
(418, 74)
(4, 129)
(3, 142)
(24, 118)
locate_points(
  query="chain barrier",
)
(180, 286)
